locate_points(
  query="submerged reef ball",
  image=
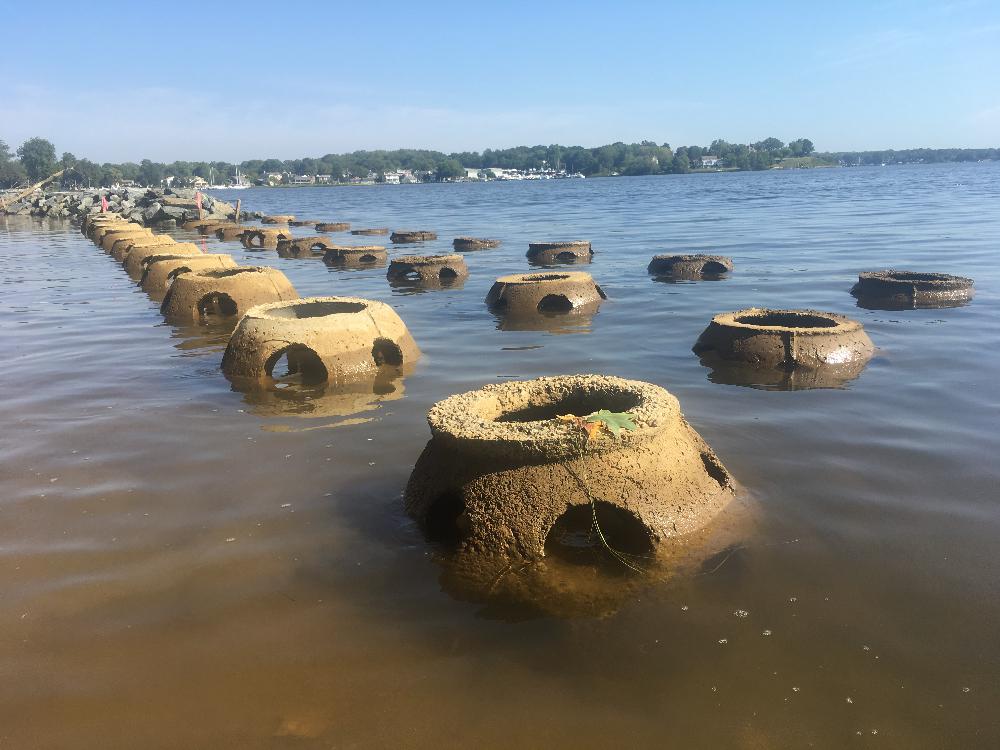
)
(331, 226)
(785, 341)
(529, 294)
(355, 256)
(230, 232)
(424, 268)
(901, 290)
(324, 338)
(134, 261)
(573, 251)
(160, 270)
(690, 267)
(264, 239)
(371, 231)
(402, 237)
(305, 247)
(501, 467)
(474, 243)
(228, 292)
(278, 219)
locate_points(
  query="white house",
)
(303, 179)
(709, 160)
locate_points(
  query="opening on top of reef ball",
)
(581, 403)
(217, 303)
(545, 277)
(786, 320)
(315, 309)
(555, 303)
(574, 537)
(224, 273)
(386, 352)
(296, 360)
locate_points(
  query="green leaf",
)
(613, 420)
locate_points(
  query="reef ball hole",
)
(447, 273)
(386, 352)
(600, 291)
(715, 469)
(296, 361)
(580, 403)
(217, 303)
(787, 320)
(714, 267)
(367, 258)
(554, 303)
(443, 522)
(545, 277)
(573, 537)
(316, 309)
(566, 255)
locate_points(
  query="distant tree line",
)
(36, 159)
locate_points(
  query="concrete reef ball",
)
(325, 339)
(371, 231)
(202, 226)
(786, 339)
(574, 251)
(230, 232)
(501, 469)
(278, 219)
(230, 291)
(96, 220)
(120, 244)
(97, 231)
(422, 268)
(909, 289)
(105, 238)
(210, 227)
(264, 239)
(332, 226)
(134, 261)
(474, 243)
(303, 223)
(305, 247)
(402, 237)
(527, 294)
(690, 267)
(120, 250)
(160, 270)
(353, 256)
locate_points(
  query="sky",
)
(236, 81)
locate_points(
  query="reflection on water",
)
(181, 570)
(290, 397)
(903, 302)
(728, 372)
(577, 320)
(403, 285)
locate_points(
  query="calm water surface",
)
(183, 565)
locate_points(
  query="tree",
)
(681, 162)
(11, 172)
(769, 145)
(150, 174)
(801, 147)
(450, 168)
(38, 157)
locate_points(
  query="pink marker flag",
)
(197, 200)
(104, 204)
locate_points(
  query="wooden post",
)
(35, 187)
(237, 210)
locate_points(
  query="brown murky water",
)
(185, 565)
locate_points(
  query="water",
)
(183, 565)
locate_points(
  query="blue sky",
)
(233, 81)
